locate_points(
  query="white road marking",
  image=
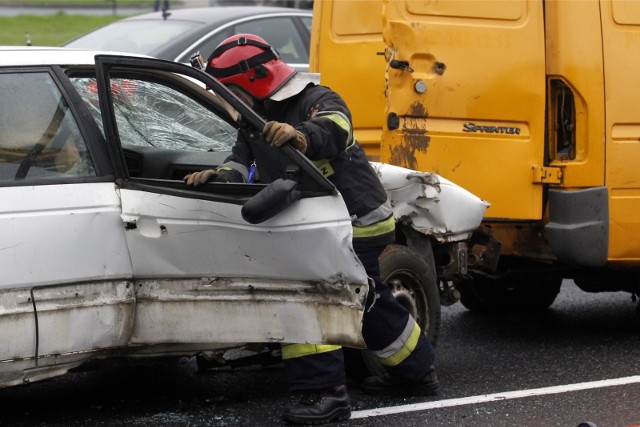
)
(472, 400)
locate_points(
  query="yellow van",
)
(529, 104)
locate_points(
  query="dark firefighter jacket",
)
(324, 119)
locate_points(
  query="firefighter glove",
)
(199, 178)
(277, 133)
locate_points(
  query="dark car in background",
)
(176, 34)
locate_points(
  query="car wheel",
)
(412, 279)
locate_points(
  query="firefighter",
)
(317, 122)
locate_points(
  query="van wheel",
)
(412, 279)
(523, 294)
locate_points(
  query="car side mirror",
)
(270, 201)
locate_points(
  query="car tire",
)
(413, 281)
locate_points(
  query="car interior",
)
(164, 133)
(169, 126)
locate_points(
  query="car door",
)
(65, 293)
(205, 276)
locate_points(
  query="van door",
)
(346, 44)
(621, 41)
(466, 97)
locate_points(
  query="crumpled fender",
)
(433, 205)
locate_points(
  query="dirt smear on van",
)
(414, 137)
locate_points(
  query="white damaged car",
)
(104, 250)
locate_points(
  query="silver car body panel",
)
(225, 310)
(63, 289)
(91, 271)
(37, 55)
(176, 236)
(67, 233)
(433, 205)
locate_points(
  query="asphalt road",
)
(577, 362)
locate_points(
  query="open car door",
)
(203, 274)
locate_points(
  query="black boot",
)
(320, 407)
(389, 385)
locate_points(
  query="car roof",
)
(215, 14)
(201, 22)
(36, 55)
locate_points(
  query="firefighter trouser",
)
(389, 332)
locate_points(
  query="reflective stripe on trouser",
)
(391, 334)
(396, 352)
(312, 367)
(388, 329)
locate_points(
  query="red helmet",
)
(247, 61)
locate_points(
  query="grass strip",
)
(50, 30)
(80, 3)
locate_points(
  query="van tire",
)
(523, 294)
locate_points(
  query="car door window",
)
(185, 121)
(39, 137)
(151, 114)
(208, 45)
(280, 32)
(306, 21)
(159, 126)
